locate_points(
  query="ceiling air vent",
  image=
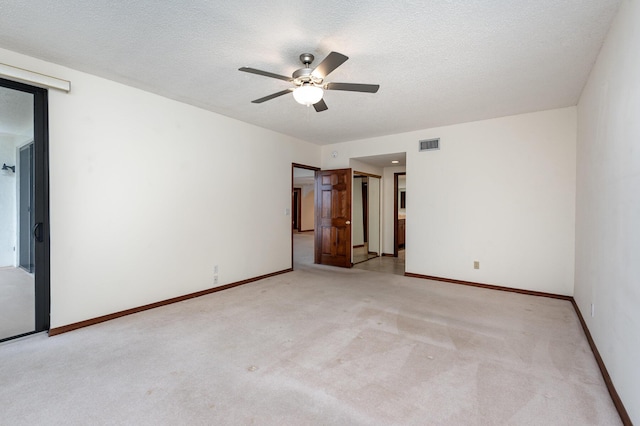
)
(429, 144)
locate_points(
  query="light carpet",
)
(17, 302)
(317, 346)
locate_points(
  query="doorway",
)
(24, 210)
(296, 212)
(366, 217)
(399, 213)
(302, 214)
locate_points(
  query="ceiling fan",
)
(309, 85)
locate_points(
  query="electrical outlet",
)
(476, 264)
(593, 310)
(215, 269)
(215, 279)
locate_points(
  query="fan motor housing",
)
(303, 75)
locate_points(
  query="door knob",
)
(348, 222)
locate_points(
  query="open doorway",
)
(366, 217)
(385, 165)
(296, 210)
(302, 214)
(399, 213)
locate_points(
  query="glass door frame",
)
(40, 232)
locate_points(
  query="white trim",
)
(37, 79)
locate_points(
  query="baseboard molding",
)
(86, 323)
(622, 412)
(358, 246)
(624, 416)
(307, 230)
(490, 286)
(387, 254)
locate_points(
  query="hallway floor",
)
(303, 255)
(384, 264)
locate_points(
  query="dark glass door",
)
(24, 210)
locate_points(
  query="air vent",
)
(429, 144)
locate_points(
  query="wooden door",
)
(333, 218)
(297, 209)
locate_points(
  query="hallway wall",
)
(608, 205)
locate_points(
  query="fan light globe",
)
(308, 94)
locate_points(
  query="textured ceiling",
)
(437, 62)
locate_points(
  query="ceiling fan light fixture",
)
(308, 85)
(308, 94)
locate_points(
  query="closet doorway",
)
(302, 214)
(366, 217)
(399, 213)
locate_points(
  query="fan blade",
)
(330, 63)
(352, 87)
(274, 95)
(265, 73)
(320, 106)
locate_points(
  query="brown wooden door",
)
(297, 209)
(333, 218)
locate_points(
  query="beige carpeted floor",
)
(17, 303)
(317, 346)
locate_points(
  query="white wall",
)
(359, 166)
(608, 205)
(8, 212)
(9, 242)
(141, 209)
(307, 205)
(499, 191)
